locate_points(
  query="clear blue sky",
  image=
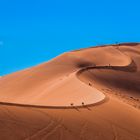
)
(34, 31)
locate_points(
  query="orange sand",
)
(36, 102)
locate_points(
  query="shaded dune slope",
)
(126, 80)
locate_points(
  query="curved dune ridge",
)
(87, 94)
(64, 90)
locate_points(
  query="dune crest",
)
(61, 90)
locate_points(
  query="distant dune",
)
(87, 94)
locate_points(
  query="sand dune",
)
(87, 94)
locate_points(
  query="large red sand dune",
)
(87, 94)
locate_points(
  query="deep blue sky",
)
(34, 31)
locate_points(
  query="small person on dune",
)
(71, 104)
(83, 103)
(90, 84)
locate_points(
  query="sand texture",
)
(87, 94)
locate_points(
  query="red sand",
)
(45, 102)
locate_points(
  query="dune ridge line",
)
(131, 67)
